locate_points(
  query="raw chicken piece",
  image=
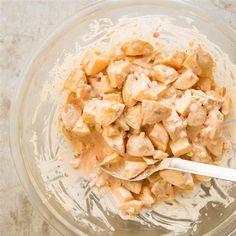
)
(81, 128)
(159, 136)
(133, 117)
(200, 62)
(127, 91)
(70, 115)
(153, 112)
(94, 63)
(146, 197)
(164, 74)
(114, 138)
(131, 208)
(182, 104)
(134, 168)
(111, 159)
(117, 73)
(197, 114)
(137, 47)
(139, 145)
(122, 194)
(186, 80)
(103, 112)
(76, 78)
(180, 147)
(174, 59)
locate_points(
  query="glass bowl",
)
(33, 130)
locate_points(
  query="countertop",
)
(23, 26)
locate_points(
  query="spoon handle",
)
(202, 169)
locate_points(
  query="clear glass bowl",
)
(23, 121)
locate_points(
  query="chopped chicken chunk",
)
(74, 80)
(94, 63)
(139, 145)
(160, 155)
(81, 128)
(111, 159)
(122, 194)
(182, 104)
(164, 74)
(186, 80)
(117, 73)
(131, 208)
(197, 114)
(174, 177)
(134, 186)
(127, 91)
(134, 168)
(159, 136)
(146, 197)
(200, 62)
(133, 117)
(70, 115)
(163, 190)
(180, 146)
(153, 112)
(137, 47)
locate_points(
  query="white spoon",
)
(181, 165)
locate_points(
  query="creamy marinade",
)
(187, 205)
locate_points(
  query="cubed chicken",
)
(153, 112)
(186, 80)
(70, 115)
(117, 73)
(201, 178)
(174, 177)
(200, 154)
(83, 91)
(110, 159)
(200, 62)
(134, 168)
(137, 47)
(131, 208)
(102, 112)
(101, 86)
(216, 147)
(122, 194)
(133, 117)
(182, 105)
(159, 136)
(81, 128)
(180, 147)
(115, 96)
(134, 186)
(227, 103)
(197, 114)
(76, 78)
(150, 161)
(174, 125)
(122, 124)
(204, 84)
(213, 124)
(164, 74)
(193, 133)
(139, 145)
(163, 190)
(189, 183)
(114, 138)
(174, 59)
(160, 155)
(127, 91)
(94, 63)
(146, 197)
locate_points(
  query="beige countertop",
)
(23, 26)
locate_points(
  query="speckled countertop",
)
(23, 26)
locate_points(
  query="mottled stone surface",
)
(23, 26)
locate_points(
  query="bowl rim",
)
(36, 197)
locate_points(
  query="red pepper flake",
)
(66, 174)
(156, 34)
(223, 91)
